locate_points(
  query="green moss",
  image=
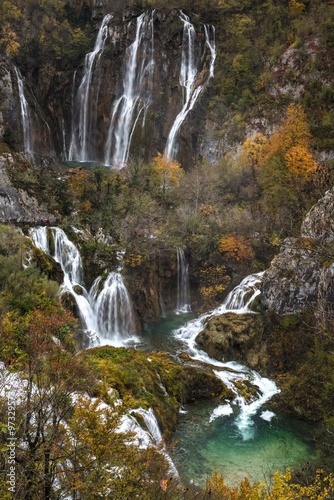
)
(152, 380)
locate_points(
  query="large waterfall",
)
(106, 309)
(25, 118)
(136, 94)
(183, 293)
(97, 137)
(84, 119)
(237, 301)
(191, 81)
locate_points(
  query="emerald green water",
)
(202, 446)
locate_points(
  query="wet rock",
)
(235, 336)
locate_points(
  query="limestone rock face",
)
(319, 222)
(235, 336)
(7, 97)
(15, 204)
(291, 283)
(301, 275)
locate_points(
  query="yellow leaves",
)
(291, 144)
(300, 162)
(322, 488)
(295, 129)
(169, 172)
(134, 260)
(9, 40)
(296, 8)
(235, 248)
(213, 281)
(255, 148)
(206, 210)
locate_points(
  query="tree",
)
(235, 248)
(168, 172)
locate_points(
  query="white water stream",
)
(136, 95)
(25, 118)
(82, 147)
(191, 79)
(238, 301)
(106, 309)
(183, 292)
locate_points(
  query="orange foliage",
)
(292, 142)
(235, 248)
(300, 162)
(205, 209)
(295, 129)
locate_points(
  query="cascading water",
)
(82, 147)
(106, 310)
(25, 118)
(183, 294)
(112, 307)
(136, 96)
(190, 81)
(237, 301)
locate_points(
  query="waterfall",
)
(136, 96)
(25, 118)
(183, 294)
(112, 307)
(238, 301)
(190, 79)
(85, 102)
(105, 310)
(151, 424)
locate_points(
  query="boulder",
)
(235, 336)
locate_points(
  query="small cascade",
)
(85, 102)
(151, 424)
(25, 118)
(106, 309)
(238, 301)
(136, 96)
(183, 293)
(112, 307)
(191, 81)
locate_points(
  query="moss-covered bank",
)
(153, 380)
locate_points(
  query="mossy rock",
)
(153, 380)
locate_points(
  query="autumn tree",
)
(103, 462)
(284, 167)
(235, 248)
(167, 172)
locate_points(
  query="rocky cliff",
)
(16, 205)
(301, 275)
(135, 71)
